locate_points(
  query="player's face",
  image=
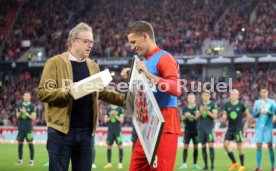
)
(234, 95)
(138, 43)
(205, 97)
(83, 44)
(191, 99)
(27, 97)
(264, 93)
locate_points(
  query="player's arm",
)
(256, 111)
(18, 115)
(120, 118)
(48, 90)
(271, 111)
(246, 116)
(224, 115)
(18, 112)
(31, 116)
(168, 72)
(198, 113)
(214, 113)
(184, 117)
(189, 115)
(107, 118)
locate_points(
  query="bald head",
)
(234, 95)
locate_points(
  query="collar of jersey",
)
(234, 103)
(26, 103)
(206, 103)
(190, 107)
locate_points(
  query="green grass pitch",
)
(8, 158)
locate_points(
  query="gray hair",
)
(74, 32)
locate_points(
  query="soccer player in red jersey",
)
(161, 67)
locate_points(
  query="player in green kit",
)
(191, 133)
(26, 113)
(114, 118)
(235, 112)
(207, 114)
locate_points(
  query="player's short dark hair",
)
(140, 27)
(206, 92)
(263, 88)
(190, 93)
(27, 92)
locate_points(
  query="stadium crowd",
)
(247, 81)
(181, 26)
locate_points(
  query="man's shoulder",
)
(227, 103)
(91, 62)
(59, 57)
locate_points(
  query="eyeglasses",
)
(87, 41)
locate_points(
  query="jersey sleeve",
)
(255, 109)
(107, 113)
(244, 108)
(121, 111)
(215, 107)
(224, 107)
(169, 75)
(184, 110)
(272, 108)
(33, 110)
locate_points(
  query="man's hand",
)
(188, 115)
(23, 110)
(205, 108)
(140, 65)
(113, 113)
(125, 73)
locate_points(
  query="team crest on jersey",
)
(233, 115)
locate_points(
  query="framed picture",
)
(144, 110)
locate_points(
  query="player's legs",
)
(271, 154)
(259, 138)
(138, 159)
(110, 139)
(29, 138)
(241, 154)
(186, 140)
(119, 142)
(212, 155)
(259, 147)
(229, 136)
(239, 142)
(211, 139)
(195, 153)
(20, 140)
(203, 140)
(268, 138)
(165, 155)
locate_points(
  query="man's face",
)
(138, 43)
(27, 97)
(234, 95)
(205, 97)
(264, 93)
(83, 43)
(191, 98)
